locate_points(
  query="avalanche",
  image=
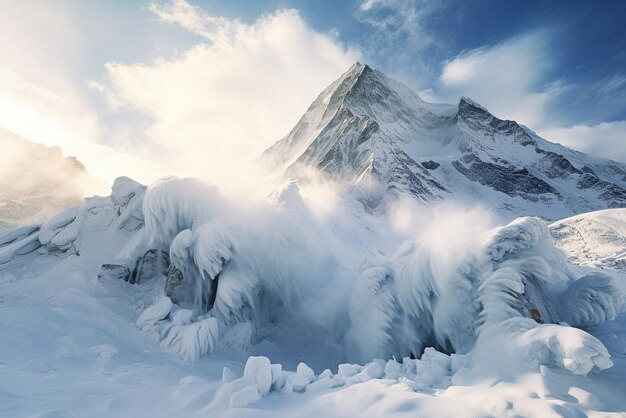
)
(249, 275)
(512, 278)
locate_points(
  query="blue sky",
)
(584, 41)
(166, 78)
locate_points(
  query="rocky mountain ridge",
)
(366, 124)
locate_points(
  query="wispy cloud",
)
(512, 80)
(607, 139)
(195, 19)
(506, 78)
(592, 102)
(400, 39)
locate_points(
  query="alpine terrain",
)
(374, 281)
(366, 123)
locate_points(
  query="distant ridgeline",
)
(36, 181)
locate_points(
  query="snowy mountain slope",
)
(366, 123)
(37, 181)
(596, 239)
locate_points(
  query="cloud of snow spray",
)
(297, 273)
(329, 273)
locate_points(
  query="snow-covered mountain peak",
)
(366, 124)
(466, 102)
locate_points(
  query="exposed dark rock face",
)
(480, 120)
(555, 165)
(173, 286)
(405, 174)
(586, 169)
(510, 180)
(190, 292)
(153, 264)
(609, 192)
(114, 272)
(430, 165)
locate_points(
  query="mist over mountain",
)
(38, 181)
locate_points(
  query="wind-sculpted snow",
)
(172, 205)
(592, 300)
(467, 300)
(18, 241)
(502, 288)
(372, 312)
(251, 275)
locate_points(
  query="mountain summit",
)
(367, 124)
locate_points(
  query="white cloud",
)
(194, 19)
(606, 139)
(368, 4)
(505, 78)
(228, 95)
(224, 101)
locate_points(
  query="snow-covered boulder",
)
(260, 369)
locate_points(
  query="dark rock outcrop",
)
(153, 264)
(114, 272)
(510, 180)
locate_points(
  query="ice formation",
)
(256, 271)
(236, 277)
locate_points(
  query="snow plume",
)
(278, 272)
(260, 263)
(491, 288)
(435, 278)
